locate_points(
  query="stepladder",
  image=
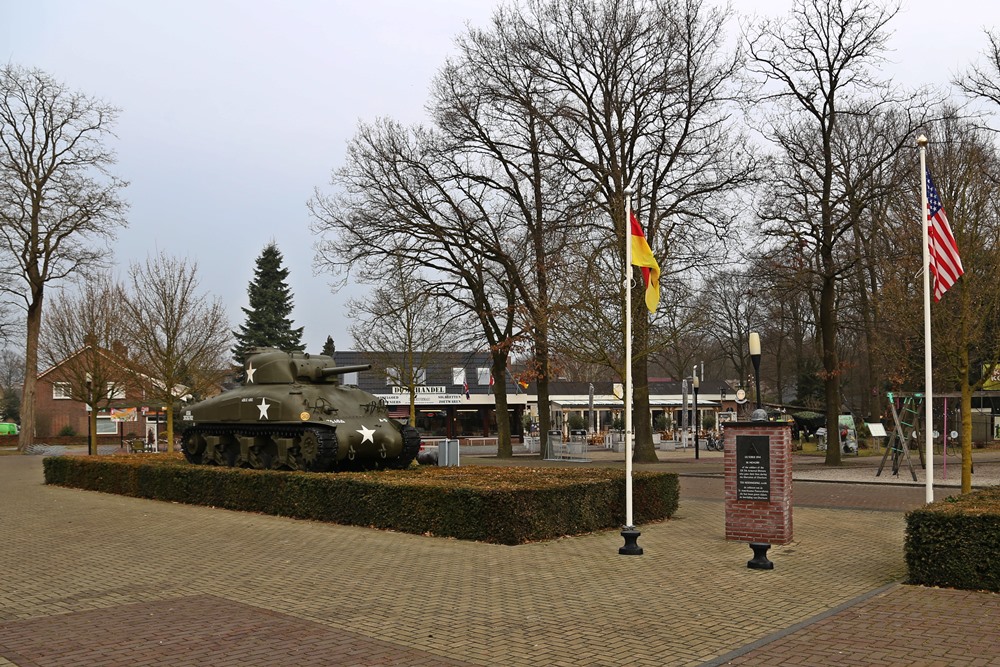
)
(907, 423)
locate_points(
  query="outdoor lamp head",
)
(754, 344)
(695, 383)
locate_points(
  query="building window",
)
(394, 377)
(484, 376)
(61, 390)
(458, 376)
(116, 392)
(350, 378)
(105, 426)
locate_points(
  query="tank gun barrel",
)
(340, 370)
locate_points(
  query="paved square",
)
(94, 579)
(195, 631)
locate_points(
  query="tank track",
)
(411, 447)
(326, 438)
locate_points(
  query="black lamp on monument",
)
(755, 359)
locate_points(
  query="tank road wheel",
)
(231, 451)
(193, 446)
(306, 451)
(222, 450)
(262, 454)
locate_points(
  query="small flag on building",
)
(945, 263)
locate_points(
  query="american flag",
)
(946, 265)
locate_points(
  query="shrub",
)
(955, 542)
(504, 505)
(662, 423)
(66, 431)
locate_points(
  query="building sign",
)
(124, 415)
(420, 390)
(423, 399)
(991, 375)
(753, 468)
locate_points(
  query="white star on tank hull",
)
(367, 434)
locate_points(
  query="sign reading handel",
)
(753, 468)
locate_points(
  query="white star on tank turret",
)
(264, 405)
(367, 434)
(250, 371)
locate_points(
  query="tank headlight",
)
(304, 416)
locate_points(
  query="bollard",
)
(759, 560)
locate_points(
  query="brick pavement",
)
(116, 576)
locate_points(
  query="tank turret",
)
(292, 412)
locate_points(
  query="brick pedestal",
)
(758, 472)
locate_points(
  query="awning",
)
(654, 402)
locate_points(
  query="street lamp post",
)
(91, 418)
(694, 384)
(722, 407)
(755, 359)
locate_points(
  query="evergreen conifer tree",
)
(267, 323)
(328, 347)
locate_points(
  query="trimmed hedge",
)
(503, 505)
(955, 542)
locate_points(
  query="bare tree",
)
(816, 69)
(401, 326)
(966, 321)
(11, 368)
(179, 337)
(81, 342)
(636, 93)
(983, 80)
(486, 103)
(405, 194)
(57, 197)
(738, 310)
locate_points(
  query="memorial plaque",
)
(753, 468)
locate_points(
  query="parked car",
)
(8, 428)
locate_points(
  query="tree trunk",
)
(642, 427)
(92, 429)
(499, 369)
(831, 369)
(542, 384)
(33, 326)
(170, 427)
(966, 422)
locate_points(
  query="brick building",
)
(60, 410)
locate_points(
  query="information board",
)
(753, 468)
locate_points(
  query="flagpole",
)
(628, 532)
(928, 387)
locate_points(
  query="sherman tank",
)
(291, 412)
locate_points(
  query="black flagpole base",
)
(760, 561)
(631, 536)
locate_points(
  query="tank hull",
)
(299, 425)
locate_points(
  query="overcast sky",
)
(234, 111)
